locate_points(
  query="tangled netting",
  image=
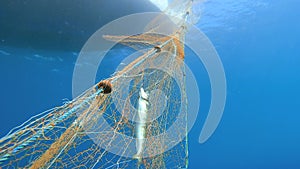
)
(98, 129)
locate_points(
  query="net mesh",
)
(98, 130)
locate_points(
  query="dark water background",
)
(258, 43)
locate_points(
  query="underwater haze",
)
(257, 41)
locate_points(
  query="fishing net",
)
(98, 129)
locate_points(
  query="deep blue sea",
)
(257, 41)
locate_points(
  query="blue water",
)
(258, 44)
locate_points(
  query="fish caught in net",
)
(120, 122)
